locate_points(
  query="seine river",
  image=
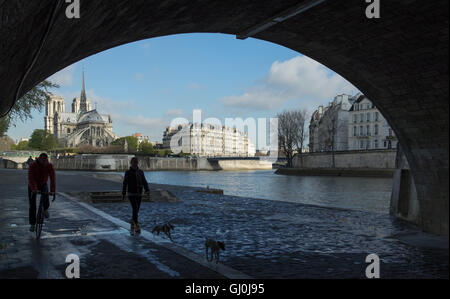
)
(363, 194)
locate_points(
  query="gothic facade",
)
(82, 126)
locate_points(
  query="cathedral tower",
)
(83, 98)
(54, 105)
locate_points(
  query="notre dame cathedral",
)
(82, 126)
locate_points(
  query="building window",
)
(368, 116)
(354, 131)
(355, 118)
(68, 130)
(375, 143)
(377, 116)
(361, 118)
(361, 131)
(390, 132)
(368, 130)
(361, 144)
(385, 144)
(376, 130)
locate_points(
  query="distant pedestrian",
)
(134, 182)
(30, 160)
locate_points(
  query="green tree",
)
(35, 99)
(22, 146)
(42, 140)
(131, 141)
(36, 139)
(146, 147)
(49, 143)
(4, 125)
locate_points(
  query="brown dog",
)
(165, 228)
(215, 249)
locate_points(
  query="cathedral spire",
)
(83, 98)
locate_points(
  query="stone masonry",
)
(399, 61)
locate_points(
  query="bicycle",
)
(40, 214)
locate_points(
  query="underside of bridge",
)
(400, 61)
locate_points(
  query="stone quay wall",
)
(100, 162)
(10, 164)
(373, 159)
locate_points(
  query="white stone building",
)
(141, 138)
(208, 140)
(328, 125)
(367, 128)
(82, 126)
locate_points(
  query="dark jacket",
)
(29, 161)
(135, 181)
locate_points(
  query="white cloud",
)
(125, 124)
(139, 77)
(300, 78)
(257, 98)
(64, 77)
(141, 122)
(174, 112)
(106, 105)
(194, 86)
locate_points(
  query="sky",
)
(146, 84)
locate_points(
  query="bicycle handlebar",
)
(46, 193)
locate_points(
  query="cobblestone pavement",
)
(264, 239)
(105, 249)
(272, 239)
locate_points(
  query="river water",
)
(362, 194)
(296, 233)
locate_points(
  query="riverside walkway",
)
(264, 238)
(104, 245)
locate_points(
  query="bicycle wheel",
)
(39, 220)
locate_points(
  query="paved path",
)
(265, 239)
(104, 245)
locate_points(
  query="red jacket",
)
(38, 176)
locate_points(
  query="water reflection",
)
(364, 194)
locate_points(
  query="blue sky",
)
(146, 84)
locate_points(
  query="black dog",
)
(215, 249)
(165, 228)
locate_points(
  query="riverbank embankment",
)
(146, 163)
(344, 172)
(121, 162)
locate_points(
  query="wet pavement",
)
(105, 248)
(264, 239)
(274, 239)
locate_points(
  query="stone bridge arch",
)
(399, 61)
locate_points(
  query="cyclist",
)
(38, 174)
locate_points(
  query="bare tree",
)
(292, 132)
(332, 126)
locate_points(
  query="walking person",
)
(38, 174)
(30, 160)
(134, 183)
